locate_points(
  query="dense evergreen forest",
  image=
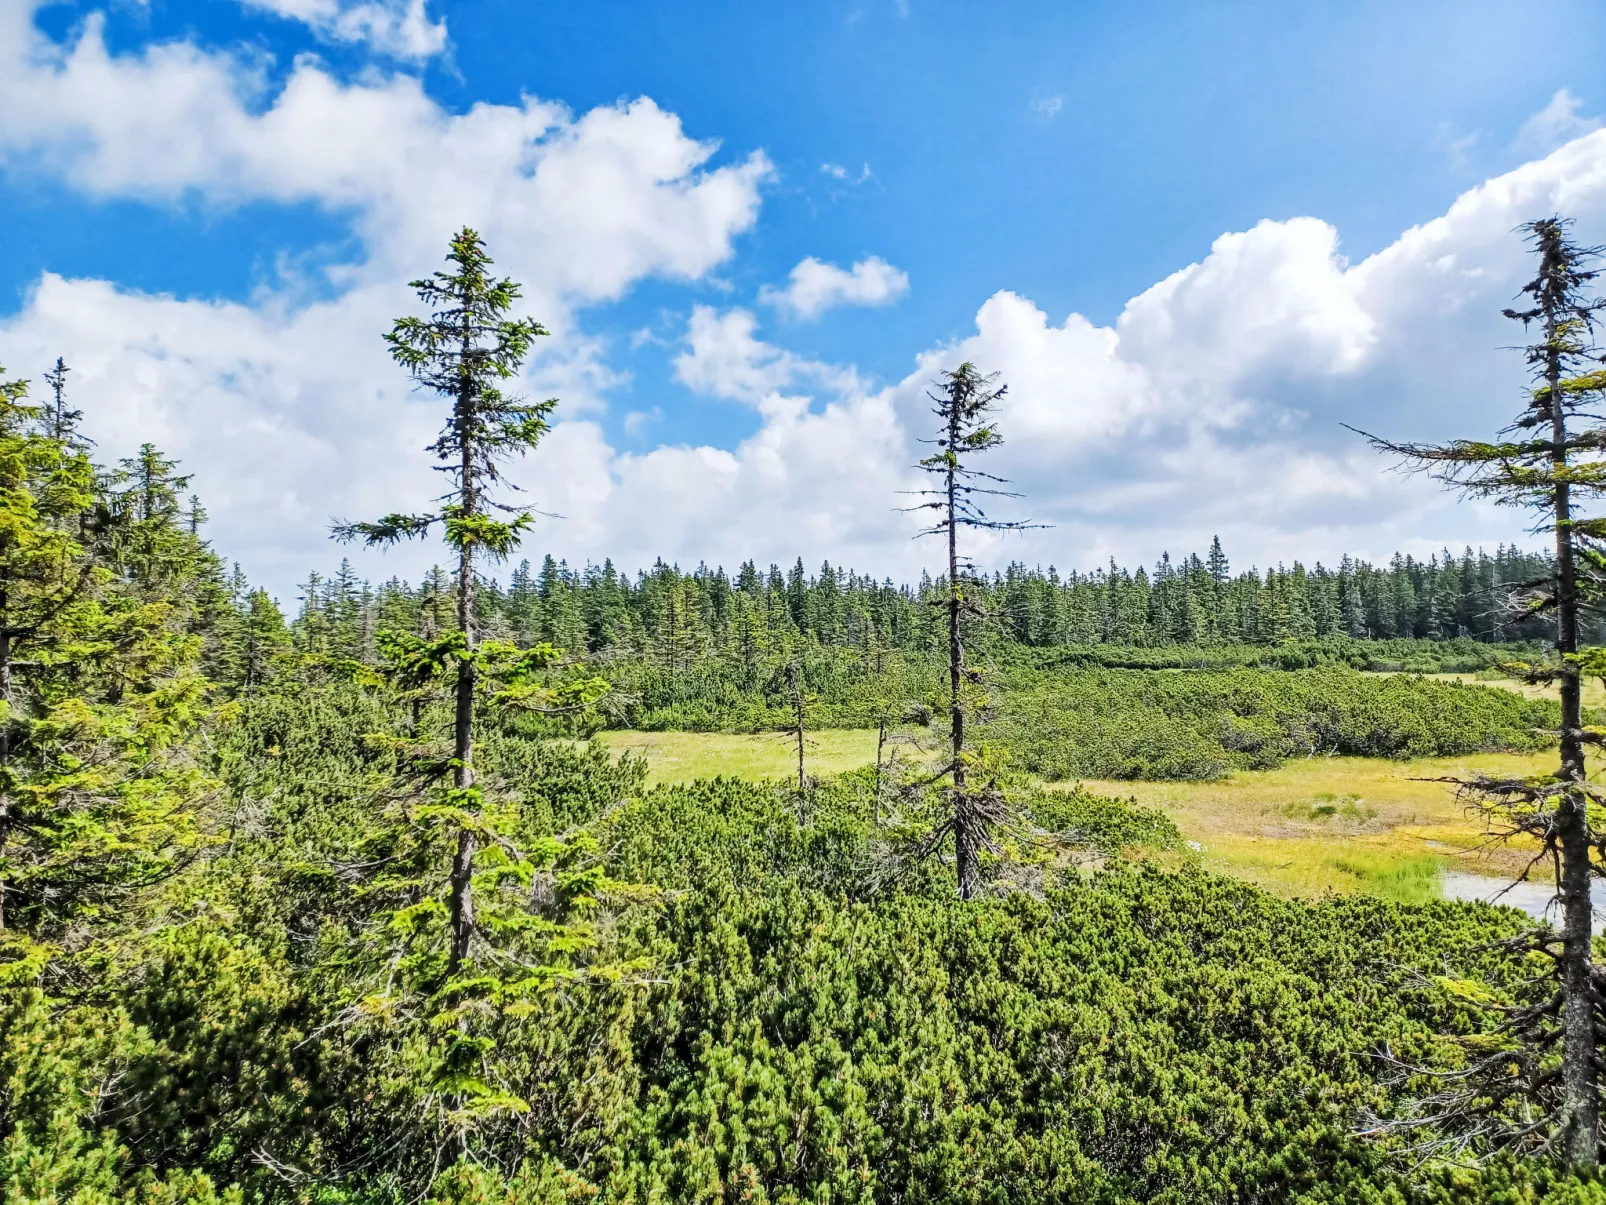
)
(345, 908)
(678, 616)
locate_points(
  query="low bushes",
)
(1204, 724)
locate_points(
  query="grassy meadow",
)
(1340, 824)
(1307, 828)
(1594, 690)
(683, 757)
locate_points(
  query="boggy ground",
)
(1342, 824)
(1594, 691)
(1309, 827)
(676, 757)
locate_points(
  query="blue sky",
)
(215, 252)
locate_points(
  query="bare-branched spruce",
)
(799, 701)
(964, 401)
(1538, 1087)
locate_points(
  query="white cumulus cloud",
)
(1212, 404)
(814, 287)
(290, 412)
(724, 358)
(582, 206)
(399, 29)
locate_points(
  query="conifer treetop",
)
(467, 346)
(964, 402)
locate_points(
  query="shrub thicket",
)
(1204, 724)
(1179, 714)
(800, 1013)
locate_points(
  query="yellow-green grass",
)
(674, 757)
(1594, 691)
(1341, 824)
(1310, 827)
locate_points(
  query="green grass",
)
(1594, 690)
(1312, 826)
(1409, 880)
(679, 757)
(1341, 824)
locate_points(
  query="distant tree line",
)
(678, 617)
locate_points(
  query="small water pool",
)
(1537, 899)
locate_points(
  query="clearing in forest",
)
(678, 757)
(1306, 828)
(1341, 824)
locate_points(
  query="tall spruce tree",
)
(963, 401)
(463, 351)
(1217, 564)
(1551, 460)
(97, 690)
(261, 637)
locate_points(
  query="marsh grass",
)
(1311, 867)
(682, 757)
(1341, 824)
(1325, 805)
(1311, 827)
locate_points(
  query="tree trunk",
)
(1580, 1089)
(797, 723)
(966, 864)
(5, 746)
(461, 907)
(880, 746)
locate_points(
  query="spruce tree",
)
(523, 605)
(797, 595)
(262, 638)
(64, 420)
(964, 401)
(1217, 563)
(96, 691)
(749, 637)
(434, 602)
(798, 700)
(463, 352)
(1549, 461)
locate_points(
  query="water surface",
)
(1537, 899)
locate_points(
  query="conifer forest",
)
(358, 899)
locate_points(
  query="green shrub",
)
(1118, 724)
(800, 1012)
(1101, 823)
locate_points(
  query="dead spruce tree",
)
(963, 401)
(463, 351)
(1541, 1090)
(798, 729)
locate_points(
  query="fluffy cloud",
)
(287, 417)
(1215, 402)
(724, 358)
(1212, 404)
(814, 287)
(291, 412)
(399, 29)
(581, 206)
(1275, 301)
